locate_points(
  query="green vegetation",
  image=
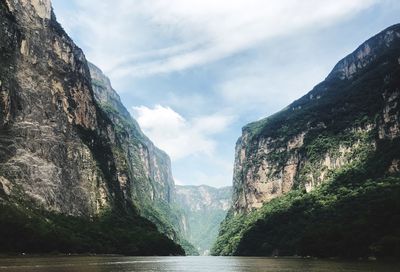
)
(203, 209)
(355, 213)
(126, 154)
(36, 231)
(328, 222)
(335, 105)
(167, 218)
(351, 147)
(204, 227)
(122, 121)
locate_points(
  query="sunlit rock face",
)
(334, 126)
(46, 101)
(67, 143)
(34, 8)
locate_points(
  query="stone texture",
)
(44, 103)
(59, 147)
(268, 167)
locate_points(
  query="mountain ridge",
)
(342, 136)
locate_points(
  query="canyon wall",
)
(68, 147)
(324, 131)
(313, 178)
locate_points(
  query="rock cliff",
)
(324, 131)
(150, 168)
(330, 153)
(68, 147)
(46, 102)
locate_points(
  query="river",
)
(195, 264)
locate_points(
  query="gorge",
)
(320, 178)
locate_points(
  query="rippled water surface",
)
(206, 264)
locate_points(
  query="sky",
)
(194, 72)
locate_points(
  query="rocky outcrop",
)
(204, 208)
(329, 129)
(365, 54)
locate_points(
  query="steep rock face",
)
(148, 167)
(62, 153)
(321, 177)
(204, 208)
(326, 130)
(46, 100)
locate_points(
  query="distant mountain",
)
(321, 177)
(204, 208)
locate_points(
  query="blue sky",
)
(194, 72)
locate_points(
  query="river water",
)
(195, 264)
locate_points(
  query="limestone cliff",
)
(321, 177)
(46, 101)
(69, 148)
(204, 208)
(324, 131)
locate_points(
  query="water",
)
(195, 264)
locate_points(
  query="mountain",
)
(76, 173)
(204, 208)
(321, 177)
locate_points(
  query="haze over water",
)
(187, 264)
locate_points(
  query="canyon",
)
(319, 178)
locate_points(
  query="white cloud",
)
(277, 74)
(178, 136)
(216, 172)
(193, 102)
(140, 38)
(257, 87)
